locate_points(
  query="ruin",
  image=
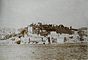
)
(45, 29)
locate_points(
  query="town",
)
(45, 34)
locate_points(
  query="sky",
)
(20, 13)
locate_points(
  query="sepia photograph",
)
(43, 29)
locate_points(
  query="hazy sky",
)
(18, 13)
